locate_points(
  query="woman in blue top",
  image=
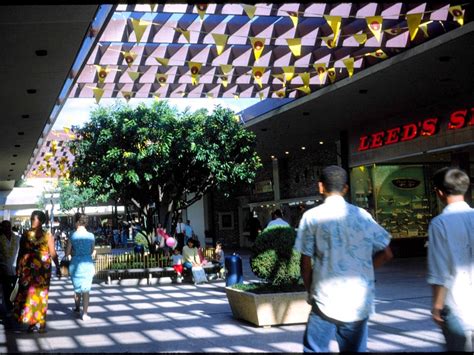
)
(81, 267)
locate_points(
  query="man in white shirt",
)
(277, 220)
(451, 260)
(9, 246)
(340, 244)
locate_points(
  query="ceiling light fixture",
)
(287, 153)
(41, 52)
(321, 142)
(303, 148)
(17, 146)
(21, 133)
(31, 91)
(25, 116)
(363, 91)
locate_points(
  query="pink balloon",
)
(171, 242)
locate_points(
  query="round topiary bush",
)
(273, 258)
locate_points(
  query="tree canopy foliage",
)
(157, 156)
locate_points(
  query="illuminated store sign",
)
(428, 127)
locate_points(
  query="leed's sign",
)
(408, 132)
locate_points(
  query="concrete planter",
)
(269, 309)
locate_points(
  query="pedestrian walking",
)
(451, 260)
(344, 244)
(9, 245)
(81, 267)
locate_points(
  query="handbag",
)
(199, 274)
(64, 266)
(15, 291)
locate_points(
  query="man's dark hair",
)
(278, 213)
(334, 178)
(451, 181)
(80, 219)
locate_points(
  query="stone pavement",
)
(189, 318)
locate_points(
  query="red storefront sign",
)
(428, 127)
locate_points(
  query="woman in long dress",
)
(81, 267)
(34, 272)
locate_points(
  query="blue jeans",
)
(456, 337)
(320, 331)
(188, 265)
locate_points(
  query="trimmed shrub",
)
(273, 258)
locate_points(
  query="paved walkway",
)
(189, 318)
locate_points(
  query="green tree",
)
(72, 197)
(161, 160)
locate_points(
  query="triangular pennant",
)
(332, 74)
(424, 28)
(361, 38)
(161, 78)
(375, 26)
(194, 68)
(236, 96)
(226, 68)
(335, 23)
(157, 96)
(394, 31)
(329, 41)
(224, 81)
(257, 73)
(127, 95)
(98, 92)
(102, 73)
(201, 9)
(66, 130)
(289, 73)
(295, 46)
(305, 77)
(185, 33)
(129, 57)
(349, 63)
(294, 18)
(210, 95)
(281, 93)
(378, 54)
(413, 21)
(249, 10)
(134, 75)
(139, 28)
(260, 95)
(305, 89)
(257, 44)
(321, 70)
(457, 13)
(162, 61)
(221, 41)
(280, 77)
(153, 7)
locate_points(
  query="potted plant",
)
(281, 297)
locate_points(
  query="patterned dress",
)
(34, 267)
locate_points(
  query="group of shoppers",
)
(341, 244)
(27, 262)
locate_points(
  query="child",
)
(220, 259)
(177, 259)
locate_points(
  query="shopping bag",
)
(199, 275)
(15, 291)
(64, 266)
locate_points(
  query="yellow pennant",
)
(305, 77)
(375, 26)
(162, 61)
(321, 70)
(295, 46)
(280, 77)
(194, 68)
(257, 44)
(257, 73)
(332, 74)
(156, 96)
(224, 81)
(289, 73)
(102, 73)
(66, 130)
(41, 167)
(133, 75)
(201, 9)
(98, 92)
(153, 7)
(221, 41)
(281, 93)
(161, 78)
(335, 23)
(361, 38)
(185, 33)
(249, 10)
(127, 95)
(210, 95)
(349, 63)
(236, 96)
(261, 95)
(129, 57)
(305, 89)
(413, 21)
(457, 13)
(226, 68)
(294, 18)
(139, 28)
(424, 28)
(48, 156)
(378, 54)
(329, 41)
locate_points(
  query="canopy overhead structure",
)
(251, 51)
